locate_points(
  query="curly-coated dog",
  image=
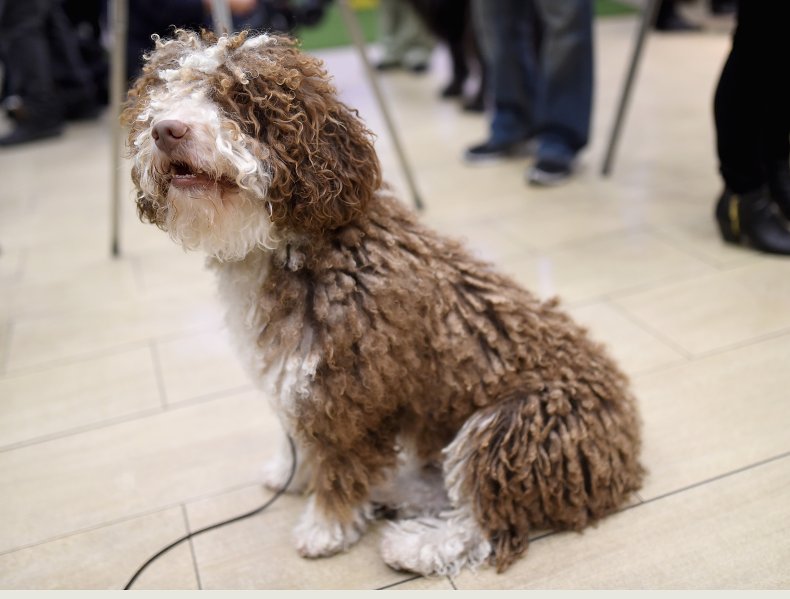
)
(409, 374)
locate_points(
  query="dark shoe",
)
(489, 152)
(388, 65)
(779, 185)
(418, 68)
(547, 173)
(676, 23)
(750, 219)
(722, 7)
(26, 133)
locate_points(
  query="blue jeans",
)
(540, 57)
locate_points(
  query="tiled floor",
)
(125, 420)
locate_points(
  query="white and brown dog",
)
(374, 337)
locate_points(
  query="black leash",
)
(258, 510)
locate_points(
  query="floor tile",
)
(106, 558)
(199, 365)
(717, 309)
(604, 266)
(40, 340)
(678, 542)
(259, 552)
(714, 415)
(635, 349)
(43, 403)
(72, 483)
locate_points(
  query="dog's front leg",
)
(277, 470)
(339, 510)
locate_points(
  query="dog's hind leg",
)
(450, 540)
(556, 460)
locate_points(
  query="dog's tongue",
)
(191, 180)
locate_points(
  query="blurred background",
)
(125, 420)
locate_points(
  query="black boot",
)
(779, 185)
(751, 219)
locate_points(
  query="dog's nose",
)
(168, 134)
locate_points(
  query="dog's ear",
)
(324, 166)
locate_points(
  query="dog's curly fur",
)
(374, 336)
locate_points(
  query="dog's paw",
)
(434, 546)
(317, 535)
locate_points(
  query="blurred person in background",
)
(46, 79)
(539, 54)
(404, 38)
(752, 116)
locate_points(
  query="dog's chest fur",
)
(276, 349)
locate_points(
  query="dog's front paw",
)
(320, 536)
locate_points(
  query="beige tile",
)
(700, 236)
(99, 476)
(42, 339)
(56, 289)
(635, 349)
(259, 552)
(679, 542)
(171, 268)
(199, 365)
(10, 265)
(604, 266)
(714, 414)
(487, 240)
(106, 558)
(566, 215)
(86, 393)
(717, 309)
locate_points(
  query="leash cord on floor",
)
(258, 510)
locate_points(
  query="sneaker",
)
(546, 173)
(489, 152)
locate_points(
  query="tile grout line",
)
(191, 546)
(648, 329)
(105, 351)
(134, 516)
(713, 479)
(184, 404)
(785, 331)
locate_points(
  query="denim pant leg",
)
(566, 61)
(505, 31)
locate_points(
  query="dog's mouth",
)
(184, 176)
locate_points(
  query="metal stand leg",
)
(355, 31)
(119, 22)
(648, 20)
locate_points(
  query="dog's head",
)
(241, 140)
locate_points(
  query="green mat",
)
(331, 32)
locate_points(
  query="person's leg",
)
(750, 107)
(506, 34)
(22, 33)
(388, 14)
(70, 73)
(413, 38)
(565, 104)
